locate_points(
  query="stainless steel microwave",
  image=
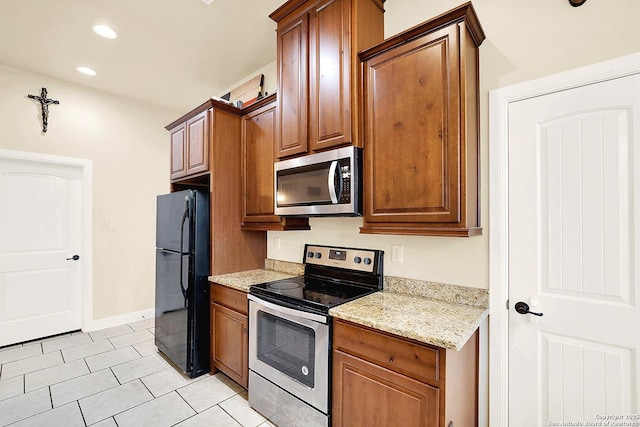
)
(322, 184)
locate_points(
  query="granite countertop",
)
(432, 321)
(432, 313)
(243, 280)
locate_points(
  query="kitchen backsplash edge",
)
(441, 291)
(284, 266)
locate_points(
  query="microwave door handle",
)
(332, 182)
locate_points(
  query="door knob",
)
(523, 308)
(75, 258)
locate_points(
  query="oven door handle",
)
(289, 311)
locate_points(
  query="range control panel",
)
(347, 258)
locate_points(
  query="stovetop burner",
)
(330, 297)
(332, 277)
(311, 292)
(285, 285)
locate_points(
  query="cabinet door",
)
(329, 74)
(365, 394)
(258, 142)
(412, 138)
(178, 147)
(197, 151)
(292, 87)
(421, 129)
(230, 343)
(258, 137)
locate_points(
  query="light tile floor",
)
(112, 378)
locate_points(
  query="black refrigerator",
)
(182, 279)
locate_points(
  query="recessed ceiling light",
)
(104, 31)
(207, 2)
(86, 70)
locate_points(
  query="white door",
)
(574, 255)
(40, 232)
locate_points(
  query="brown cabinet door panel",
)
(178, 146)
(293, 87)
(420, 96)
(230, 342)
(329, 77)
(258, 155)
(365, 394)
(198, 144)
(259, 137)
(412, 147)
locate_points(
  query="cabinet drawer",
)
(229, 297)
(414, 360)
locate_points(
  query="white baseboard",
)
(122, 319)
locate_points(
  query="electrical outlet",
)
(397, 253)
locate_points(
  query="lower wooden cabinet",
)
(381, 379)
(230, 333)
(372, 395)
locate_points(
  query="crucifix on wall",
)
(44, 105)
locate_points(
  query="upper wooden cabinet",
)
(216, 126)
(318, 71)
(421, 156)
(189, 145)
(258, 139)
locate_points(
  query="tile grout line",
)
(50, 398)
(81, 413)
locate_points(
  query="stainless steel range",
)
(290, 332)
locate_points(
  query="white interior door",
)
(573, 248)
(40, 232)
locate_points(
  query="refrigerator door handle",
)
(185, 215)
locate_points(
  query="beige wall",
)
(525, 40)
(129, 148)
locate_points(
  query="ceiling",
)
(170, 53)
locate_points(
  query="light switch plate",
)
(397, 253)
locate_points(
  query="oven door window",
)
(287, 347)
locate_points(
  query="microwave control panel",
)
(345, 176)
